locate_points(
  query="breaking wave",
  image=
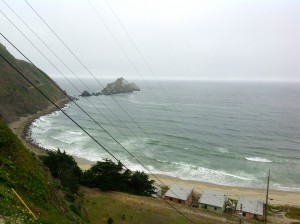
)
(258, 159)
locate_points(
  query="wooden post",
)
(24, 204)
(241, 213)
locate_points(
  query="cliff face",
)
(120, 86)
(17, 97)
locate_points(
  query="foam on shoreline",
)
(287, 196)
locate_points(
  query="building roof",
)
(250, 205)
(179, 192)
(213, 198)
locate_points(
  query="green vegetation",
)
(123, 208)
(109, 176)
(105, 175)
(293, 213)
(64, 168)
(22, 171)
(17, 97)
(289, 211)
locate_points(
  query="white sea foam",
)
(162, 161)
(187, 171)
(207, 128)
(135, 143)
(62, 140)
(258, 159)
(222, 150)
(75, 132)
(191, 172)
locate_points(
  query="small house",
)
(250, 208)
(180, 194)
(213, 200)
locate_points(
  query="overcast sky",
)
(200, 39)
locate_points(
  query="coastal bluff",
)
(18, 98)
(120, 86)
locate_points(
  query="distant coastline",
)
(20, 128)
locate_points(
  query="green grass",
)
(293, 213)
(290, 212)
(21, 170)
(102, 208)
(129, 209)
(17, 97)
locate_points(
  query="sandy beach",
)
(20, 128)
(275, 197)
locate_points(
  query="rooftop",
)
(179, 192)
(250, 205)
(214, 198)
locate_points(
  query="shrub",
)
(64, 168)
(108, 176)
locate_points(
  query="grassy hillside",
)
(17, 97)
(132, 209)
(20, 170)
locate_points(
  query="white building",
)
(250, 208)
(213, 200)
(180, 194)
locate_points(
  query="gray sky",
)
(203, 39)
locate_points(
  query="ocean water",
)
(226, 133)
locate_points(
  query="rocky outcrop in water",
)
(87, 94)
(120, 86)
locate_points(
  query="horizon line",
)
(185, 79)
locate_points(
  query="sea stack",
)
(120, 86)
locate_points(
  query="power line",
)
(68, 69)
(128, 58)
(88, 115)
(87, 87)
(97, 122)
(136, 47)
(68, 96)
(77, 58)
(41, 92)
(44, 95)
(117, 42)
(73, 86)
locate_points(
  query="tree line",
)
(106, 175)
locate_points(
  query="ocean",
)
(226, 133)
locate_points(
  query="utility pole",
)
(241, 213)
(267, 197)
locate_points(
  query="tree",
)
(64, 168)
(107, 175)
(140, 184)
